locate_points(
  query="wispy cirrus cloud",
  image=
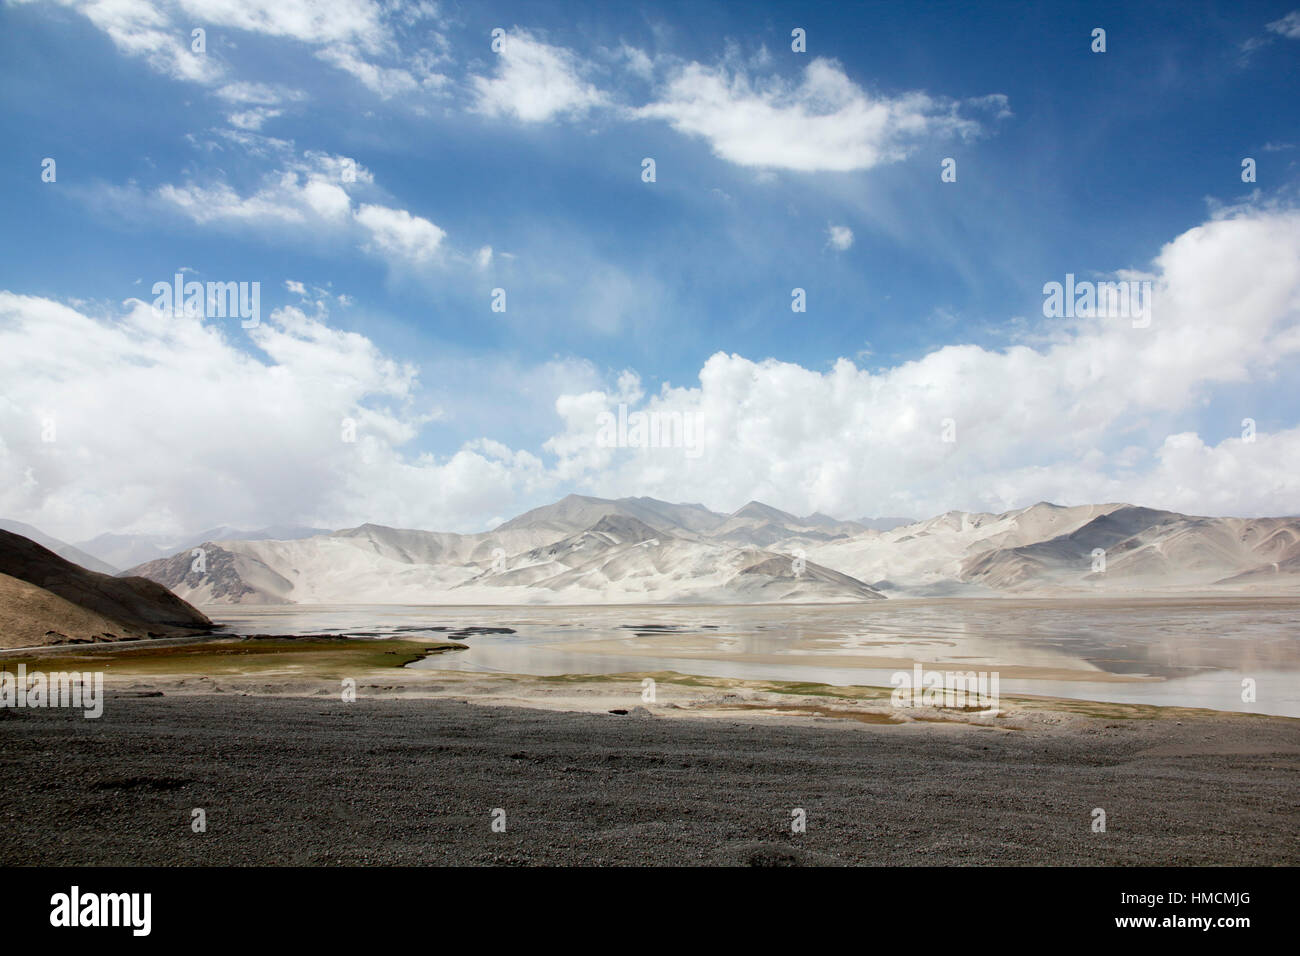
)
(309, 194)
(257, 94)
(1288, 26)
(148, 30)
(252, 104)
(415, 74)
(355, 36)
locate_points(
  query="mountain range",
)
(586, 550)
(118, 551)
(61, 548)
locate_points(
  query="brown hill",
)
(48, 600)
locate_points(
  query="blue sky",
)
(521, 170)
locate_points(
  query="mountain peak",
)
(819, 519)
(362, 529)
(756, 509)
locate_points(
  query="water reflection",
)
(1156, 651)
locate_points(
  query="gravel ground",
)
(301, 781)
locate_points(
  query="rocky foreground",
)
(285, 780)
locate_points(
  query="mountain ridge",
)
(584, 549)
(46, 599)
(64, 550)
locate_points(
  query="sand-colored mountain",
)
(586, 550)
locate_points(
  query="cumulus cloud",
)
(1029, 423)
(397, 233)
(169, 423)
(839, 237)
(823, 122)
(535, 81)
(162, 422)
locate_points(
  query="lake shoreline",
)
(1217, 653)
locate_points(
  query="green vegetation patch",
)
(324, 657)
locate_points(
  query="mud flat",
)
(708, 773)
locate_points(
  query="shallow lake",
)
(1187, 652)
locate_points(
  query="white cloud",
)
(839, 237)
(257, 94)
(385, 81)
(251, 119)
(258, 101)
(311, 21)
(825, 122)
(1031, 423)
(638, 62)
(535, 81)
(220, 203)
(307, 193)
(144, 29)
(1288, 26)
(348, 33)
(131, 395)
(397, 233)
(167, 423)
